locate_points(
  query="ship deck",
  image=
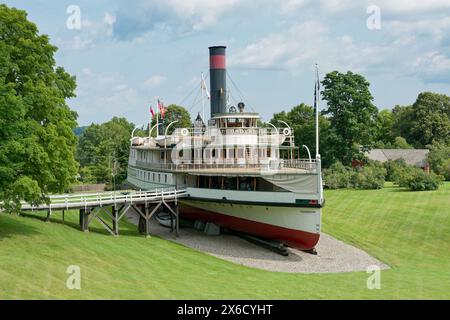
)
(229, 170)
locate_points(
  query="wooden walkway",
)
(114, 205)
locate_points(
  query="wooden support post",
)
(177, 230)
(142, 225)
(84, 220)
(115, 220)
(49, 213)
(147, 218)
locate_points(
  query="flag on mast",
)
(152, 112)
(162, 109)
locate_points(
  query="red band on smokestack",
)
(217, 62)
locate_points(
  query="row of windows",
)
(228, 153)
(153, 177)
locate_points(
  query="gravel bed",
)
(333, 255)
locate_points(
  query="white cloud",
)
(76, 42)
(412, 6)
(410, 29)
(282, 50)
(136, 18)
(103, 95)
(434, 67)
(109, 20)
(155, 81)
(290, 6)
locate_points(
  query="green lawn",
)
(410, 231)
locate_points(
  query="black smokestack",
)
(218, 79)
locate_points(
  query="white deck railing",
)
(74, 201)
(303, 164)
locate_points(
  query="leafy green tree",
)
(103, 151)
(37, 142)
(402, 122)
(384, 121)
(174, 113)
(351, 113)
(302, 119)
(431, 118)
(400, 143)
(439, 157)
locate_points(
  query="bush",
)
(439, 158)
(337, 176)
(370, 176)
(416, 179)
(394, 168)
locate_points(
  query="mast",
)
(157, 118)
(316, 109)
(203, 98)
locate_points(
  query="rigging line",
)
(188, 96)
(239, 92)
(195, 100)
(190, 93)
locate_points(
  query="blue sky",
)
(128, 53)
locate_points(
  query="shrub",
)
(369, 177)
(439, 158)
(416, 179)
(394, 168)
(337, 176)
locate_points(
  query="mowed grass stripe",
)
(409, 231)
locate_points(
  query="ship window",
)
(213, 153)
(159, 177)
(153, 177)
(165, 178)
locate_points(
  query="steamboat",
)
(238, 172)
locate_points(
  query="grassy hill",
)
(410, 231)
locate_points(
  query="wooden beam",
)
(115, 215)
(105, 225)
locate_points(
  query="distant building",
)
(412, 157)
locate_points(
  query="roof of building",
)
(413, 157)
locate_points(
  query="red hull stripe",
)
(217, 62)
(295, 238)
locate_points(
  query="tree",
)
(400, 143)
(439, 157)
(384, 121)
(37, 142)
(351, 113)
(302, 119)
(430, 119)
(174, 113)
(103, 151)
(402, 119)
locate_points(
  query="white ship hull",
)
(287, 222)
